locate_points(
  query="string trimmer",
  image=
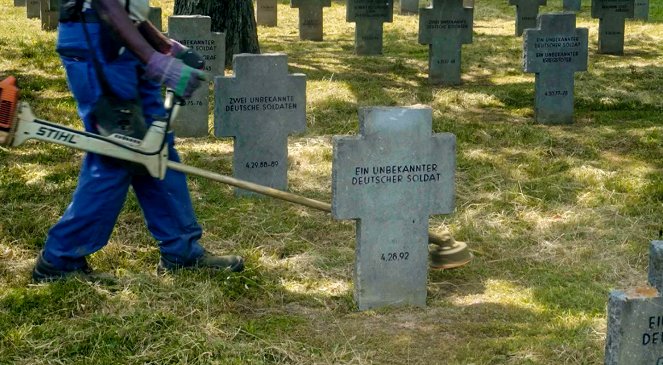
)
(18, 124)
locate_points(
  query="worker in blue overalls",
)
(136, 59)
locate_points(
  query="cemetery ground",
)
(556, 216)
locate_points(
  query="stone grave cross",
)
(409, 6)
(266, 13)
(571, 5)
(635, 318)
(641, 12)
(391, 178)
(33, 8)
(526, 12)
(369, 16)
(555, 51)
(445, 27)
(193, 31)
(310, 18)
(260, 106)
(612, 16)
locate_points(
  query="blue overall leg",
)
(103, 182)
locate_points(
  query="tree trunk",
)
(234, 17)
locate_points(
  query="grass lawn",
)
(557, 216)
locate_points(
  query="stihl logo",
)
(56, 135)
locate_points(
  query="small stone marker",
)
(526, 12)
(571, 5)
(310, 18)
(635, 321)
(369, 16)
(445, 27)
(193, 31)
(266, 13)
(33, 8)
(641, 12)
(154, 17)
(49, 12)
(260, 106)
(555, 51)
(612, 15)
(409, 6)
(391, 178)
(655, 275)
(19, 2)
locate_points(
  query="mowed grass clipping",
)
(557, 216)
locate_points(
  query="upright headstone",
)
(555, 51)
(310, 18)
(19, 2)
(655, 275)
(154, 17)
(193, 31)
(49, 12)
(635, 322)
(641, 11)
(445, 27)
(369, 16)
(409, 6)
(468, 3)
(571, 5)
(260, 106)
(390, 179)
(33, 8)
(526, 12)
(266, 13)
(612, 16)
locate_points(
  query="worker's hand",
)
(190, 57)
(177, 50)
(172, 72)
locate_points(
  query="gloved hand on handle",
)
(177, 50)
(173, 73)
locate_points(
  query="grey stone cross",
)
(612, 15)
(369, 15)
(33, 8)
(555, 51)
(571, 5)
(260, 106)
(194, 32)
(391, 178)
(635, 319)
(310, 18)
(49, 12)
(526, 12)
(409, 6)
(266, 13)
(154, 16)
(641, 11)
(445, 27)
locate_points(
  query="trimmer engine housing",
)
(8, 107)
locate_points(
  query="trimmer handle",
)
(192, 59)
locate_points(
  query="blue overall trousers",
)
(103, 182)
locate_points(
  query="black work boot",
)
(44, 271)
(449, 254)
(208, 260)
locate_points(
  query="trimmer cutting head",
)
(8, 107)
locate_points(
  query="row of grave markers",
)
(369, 15)
(49, 12)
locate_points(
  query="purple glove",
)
(172, 72)
(176, 48)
